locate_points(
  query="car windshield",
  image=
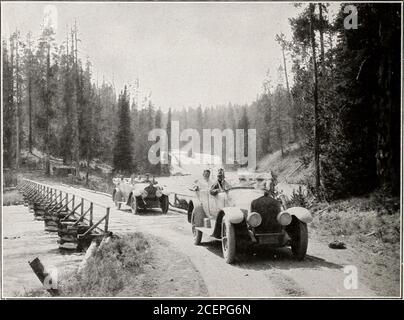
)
(242, 196)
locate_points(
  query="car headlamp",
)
(284, 218)
(254, 219)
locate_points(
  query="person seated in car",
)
(134, 179)
(149, 179)
(220, 185)
(244, 182)
(260, 182)
(146, 178)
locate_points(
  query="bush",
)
(9, 178)
(113, 267)
(12, 198)
(297, 199)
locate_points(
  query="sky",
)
(185, 54)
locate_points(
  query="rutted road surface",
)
(263, 273)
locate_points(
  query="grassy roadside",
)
(371, 227)
(135, 265)
(12, 198)
(116, 266)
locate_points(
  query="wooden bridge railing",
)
(52, 198)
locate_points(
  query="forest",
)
(341, 103)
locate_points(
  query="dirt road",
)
(259, 273)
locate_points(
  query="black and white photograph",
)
(201, 150)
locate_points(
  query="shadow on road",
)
(265, 258)
(149, 212)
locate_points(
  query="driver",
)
(149, 179)
(220, 185)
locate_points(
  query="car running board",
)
(204, 230)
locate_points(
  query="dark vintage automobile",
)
(245, 215)
(140, 195)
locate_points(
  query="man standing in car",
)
(220, 185)
(203, 184)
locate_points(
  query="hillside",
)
(289, 168)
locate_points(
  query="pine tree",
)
(8, 107)
(47, 88)
(123, 152)
(29, 71)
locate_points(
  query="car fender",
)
(116, 194)
(233, 215)
(131, 195)
(300, 213)
(198, 215)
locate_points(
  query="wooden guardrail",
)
(70, 215)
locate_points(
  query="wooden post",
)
(91, 214)
(44, 276)
(82, 206)
(106, 221)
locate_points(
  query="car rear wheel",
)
(133, 205)
(228, 241)
(196, 234)
(164, 204)
(300, 240)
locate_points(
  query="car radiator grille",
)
(151, 192)
(268, 208)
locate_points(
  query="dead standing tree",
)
(316, 106)
(280, 38)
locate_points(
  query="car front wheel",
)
(164, 204)
(300, 240)
(228, 241)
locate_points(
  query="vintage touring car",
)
(140, 195)
(245, 215)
